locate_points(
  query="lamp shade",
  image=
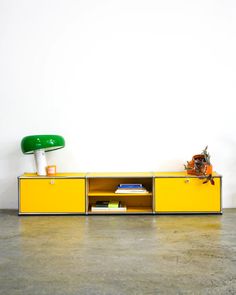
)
(32, 143)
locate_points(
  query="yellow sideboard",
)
(75, 193)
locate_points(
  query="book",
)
(131, 191)
(130, 188)
(114, 204)
(130, 185)
(107, 209)
(108, 206)
(102, 203)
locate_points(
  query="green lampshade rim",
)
(45, 149)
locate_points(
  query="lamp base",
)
(41, 162)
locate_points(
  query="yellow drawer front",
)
(187, 195)
(52, 196)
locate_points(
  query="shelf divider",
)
(112, 194)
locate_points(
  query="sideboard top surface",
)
(119, 174)
(113, 175)
(58, 175)
(179, 174)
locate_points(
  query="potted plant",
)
(201, 166)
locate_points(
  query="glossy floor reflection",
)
(118, 254)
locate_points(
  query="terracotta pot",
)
(208, 169)
(191, 172)
(190, 169)
(198, 157)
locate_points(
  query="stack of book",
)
(134, 188)
(108, 206)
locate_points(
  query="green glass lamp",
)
(38, 145)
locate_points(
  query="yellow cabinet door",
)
(187, 195)
(52, 196)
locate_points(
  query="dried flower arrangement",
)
(200, 165)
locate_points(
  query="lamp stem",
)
(41, 162)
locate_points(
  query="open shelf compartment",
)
(103, 189)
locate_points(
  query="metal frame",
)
(87, 177)
(119, 213)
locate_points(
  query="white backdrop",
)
(132, 85)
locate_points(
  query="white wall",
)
(132, 85)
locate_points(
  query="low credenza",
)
(76, 193)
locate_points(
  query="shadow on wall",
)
(12, 161)
(172, 164)
(227, 167)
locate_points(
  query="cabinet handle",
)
(187, 181)
(52, 181)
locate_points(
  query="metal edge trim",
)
(187, 176)
(188, 212)
(89, 177)
(153, 195)
(50, 213)
(121, 213)
(86, 196)
(52, 177)
(221, 210)
(18, 194)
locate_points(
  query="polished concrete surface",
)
(61, 255)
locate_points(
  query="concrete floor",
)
(61, 255)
